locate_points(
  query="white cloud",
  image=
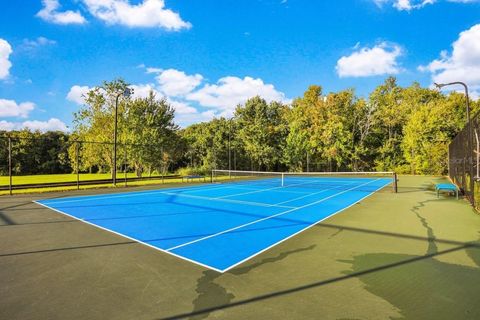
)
(143, 90)
(52, 124)
(405, 5)
(5, 64)
(411, 4)
(182, 89)
(151, 70)
(29, 44)
(192, 101)
(7, 126)
(379, 60)
(9, 108)
(231, 91)
(149, 13)
(184, 113)
(51, 14)
(174, 82)
(182, 107)
(77, 94)
(408, 5)
(185, 119)
(462, 64)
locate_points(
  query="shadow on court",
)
(474, 276)
(236, 270)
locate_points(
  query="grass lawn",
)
(48, 178)
(68, 177)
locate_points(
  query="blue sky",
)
(208, 56)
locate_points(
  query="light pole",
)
(470, 138)
(441, 85)
(126, 93)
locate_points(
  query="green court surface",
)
(392, 256)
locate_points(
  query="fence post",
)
(395, 183)
(234, 160)
(126, 164)
(308, 163)
(163, 165)
(77, 162)
(472, 156)
(10, 164)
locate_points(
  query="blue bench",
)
(449, 187)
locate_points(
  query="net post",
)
(283, 179)
(395, 183)
(211, 176)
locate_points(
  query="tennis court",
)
(222, 224)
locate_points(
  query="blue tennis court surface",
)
(219, 225)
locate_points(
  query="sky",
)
(207, 56)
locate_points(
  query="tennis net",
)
(368, 181)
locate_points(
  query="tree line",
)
(405, 129)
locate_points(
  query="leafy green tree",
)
(262, 130)
(152, 132)
(36, 152)
(299, 119)
(146, 129)
(386, 99)
(95, 122)
(407, 129)
(432, 125)
(208, 143)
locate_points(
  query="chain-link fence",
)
(464, 160)
(52, 162)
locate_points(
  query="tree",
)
(95, 122)
(152, 132)
(299, 120)
(36, 152)
(262, 130)
(208, 143)
(146, 125)
(386, 99)
(431, 127)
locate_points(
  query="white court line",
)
(267, 218)
(248, 187)
(315, 193)
(130, 238)
(184, 195)
(262, 190)
(216, 184)
(300, 231)
(261, 204)
(129, 194)
(311, 194)
(258, 204)
(193, 261)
